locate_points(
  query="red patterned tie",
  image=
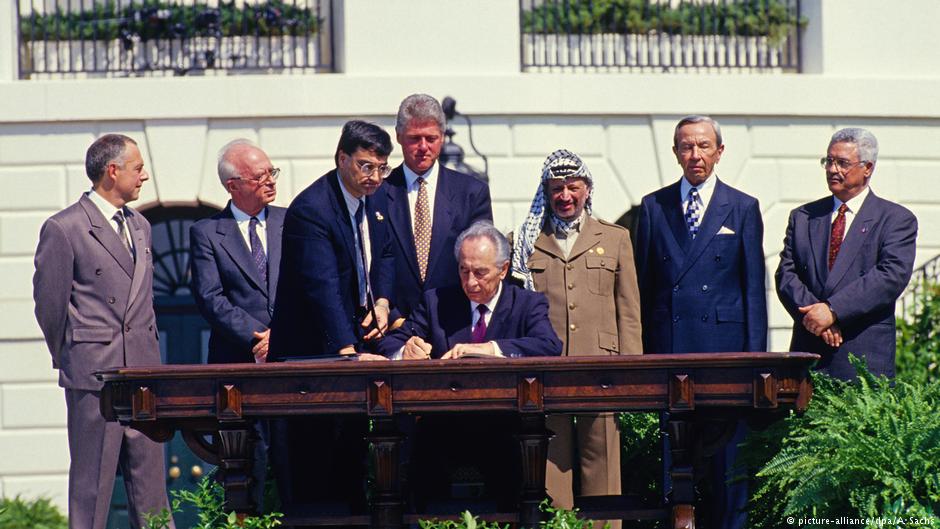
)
(479, 332)
(838, 233)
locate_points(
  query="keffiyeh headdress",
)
(561, 164)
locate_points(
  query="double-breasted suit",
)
(229, 291)
(459, 201)
(871, 270)
(94, 304)
(704, 294)
(594, 306)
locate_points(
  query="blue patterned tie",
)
(363, 269)
(257, 250)
(693, 212)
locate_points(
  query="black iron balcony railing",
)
(660, 35)
(923, 281)
(174, 37)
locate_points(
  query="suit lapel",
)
(399, 211)
(547, 243)
(853, 241)
(375, 217)
(102, 231)
(273, 230)
(589, 237)
(819, 226)
(341, 218)
(672, 210)
(454, 313)
(234, 244)
(500, 316)
(718, 209)
(442, 218)
(142, 251)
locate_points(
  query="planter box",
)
(210, 55)
(652, 52)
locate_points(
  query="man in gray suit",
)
(93, 289)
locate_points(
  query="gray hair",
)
(419, 107)
(863, 139)
(695, 118)
(226, 168)
(485, 228)
(110, 148)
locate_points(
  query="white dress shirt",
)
(108, 210)
(352, 204)
(852, 207)
(705, 192)
(244, 223)
(412, 186)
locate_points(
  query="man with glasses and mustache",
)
(336, 278)
(846, 258)
(234, 256)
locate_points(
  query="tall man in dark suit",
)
(336, 279)
(484, 317)
(235, 256)
(429, 204)
(700, 267)
(846, 258)
(93, 289)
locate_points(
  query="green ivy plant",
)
(41, 513)
(767, 18)
(170, 20)
(869, 449)
(918, 346)
(208, 499)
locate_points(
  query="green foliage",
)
(868, 449)
(640, 455)
(564, 519)
(770, 18)
(17, 513)
(208, 499)
(170, 20)
(466, 521)
(918, 350)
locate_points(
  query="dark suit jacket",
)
(459, 201)
(519, 325)
(229, 292)
(318, 289)
(94, 304)
(871, 271)
(707, 294)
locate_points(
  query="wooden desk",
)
(694, 388)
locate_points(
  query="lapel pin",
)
(600, 250)
(865, 229)
(591, 250)
(379, 217)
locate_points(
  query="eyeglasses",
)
(369, 168)
(841, 163)
(271, 173)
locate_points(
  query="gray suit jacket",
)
(93, 303)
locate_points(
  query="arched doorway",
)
(184, 338)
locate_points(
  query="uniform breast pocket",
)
(537, 268)
(600, 274)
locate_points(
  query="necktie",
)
(422, 228)
(363, 265)
(257, 250)
(122, 232)
(693, 212)
(838, 233)
(479, 332)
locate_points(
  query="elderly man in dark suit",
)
(93, 289)
(700, 267)
(333, 296)
(429, 204)
(586, 269)
(235, 257)
(846, 258)
(483, 317)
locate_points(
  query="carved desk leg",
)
(533, 441)
(682, 432)
(386, 490)
(236, 455)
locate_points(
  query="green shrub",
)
(208, 500)
(17, 513)
(770, 18)
(163, 19)
(868, 449)
(641, 457)
(557, 519)
(918, 350)
(466, 521)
